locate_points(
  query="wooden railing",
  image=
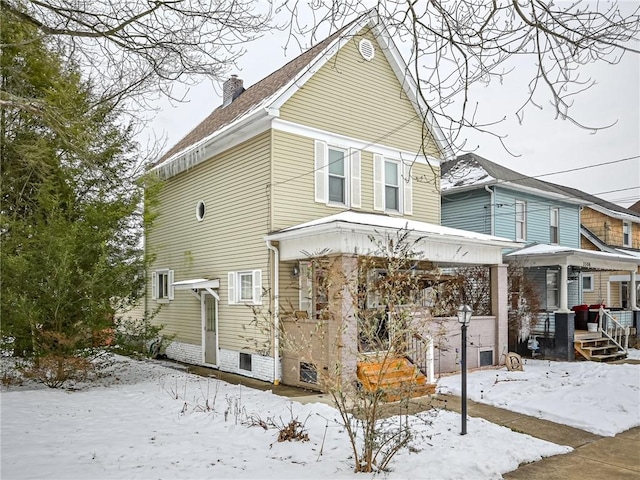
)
(609, 326)
(420, 353)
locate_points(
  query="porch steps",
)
(598, 350)
(396, 378)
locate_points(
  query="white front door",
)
(210, 326)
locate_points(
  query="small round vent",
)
(366, 49)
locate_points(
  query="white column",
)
(633, 301)
(563, 288)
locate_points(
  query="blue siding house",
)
(484, 197)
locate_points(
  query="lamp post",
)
(464, 317)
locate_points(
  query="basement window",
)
(245, 361)
(308, 373)
(486, 358)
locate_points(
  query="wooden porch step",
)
(608, 357)
(396, 377)
(595, 342)
(599, 350)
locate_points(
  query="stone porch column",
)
(343, 328)
(500, 307)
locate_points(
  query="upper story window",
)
(337, 175)
(554, 225)
(626, 234)
(392, 186)
(162, 285)
(521, 220)
(245, 287)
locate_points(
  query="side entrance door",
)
(210, 321)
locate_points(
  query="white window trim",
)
(522, 221)
(352, 175)
(552, 211)
(234, 287)
(629, 234)
(405, 187)
(587, 275)
(155, 281)
(347, 176)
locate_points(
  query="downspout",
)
(276, 313)
(492, 209)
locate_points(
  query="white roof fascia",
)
(517, 187)
(346, 141)
(633, 253)
(596, 241)
(612, 213)
(206, 148)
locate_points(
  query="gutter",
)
(276, 313)
(492, 207)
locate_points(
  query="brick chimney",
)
(231, 89)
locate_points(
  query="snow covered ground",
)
(149, 420)
(601, 398)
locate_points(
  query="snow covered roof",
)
(471, 171)
(354, 233)
(549, 255)
(395, 223)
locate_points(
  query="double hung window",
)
(521, 220)
(162, 285)
(554, 225)
(245, 287)
(626, 234)
(337, 175)
(392, 186)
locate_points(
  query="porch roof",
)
(552, 255)
(196, 283)
(350, 233)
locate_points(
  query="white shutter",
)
(321, 171)
(378, 183)
(154, 285)
(408, 189)
(355, 178)
(170, 282)
(231, 279)
(257, 287)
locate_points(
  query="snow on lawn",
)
(598, 397)
(152, 421)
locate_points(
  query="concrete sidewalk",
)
(593, 456)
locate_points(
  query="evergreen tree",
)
(71, 213)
